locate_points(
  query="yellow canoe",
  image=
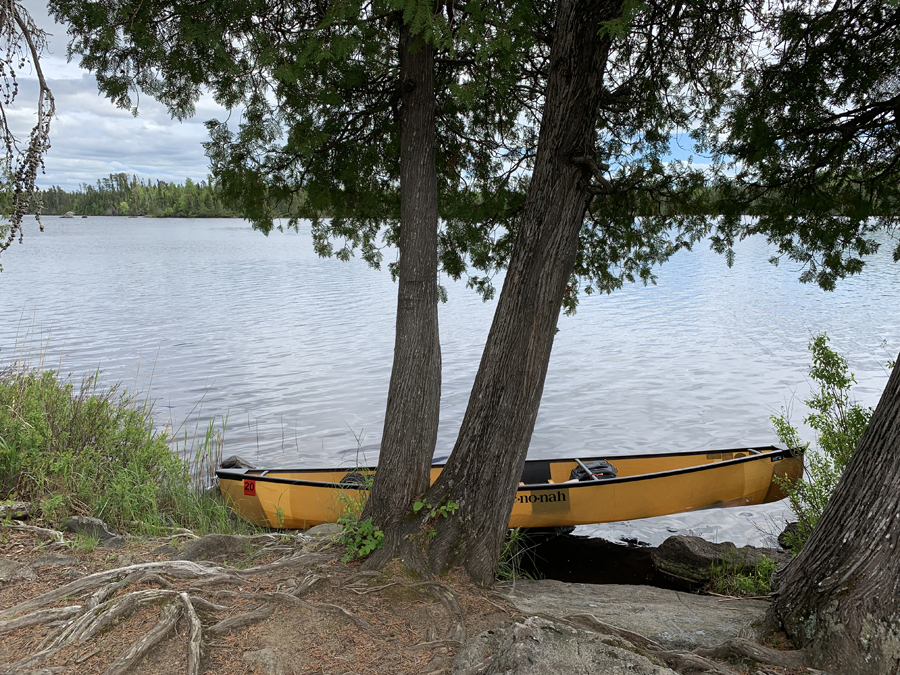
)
(645, 486)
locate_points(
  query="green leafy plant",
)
(445, 509)
(730, 578)
(839, 423)
(359, 537)
(52, 506)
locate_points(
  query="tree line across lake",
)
(122, 195)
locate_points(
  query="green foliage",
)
(731, 578)
(445, 509)
(360, 537)
(839, 423)
(122, 195)
(83, 450)
(813, 135)
(515, 548)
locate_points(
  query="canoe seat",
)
(536, 472)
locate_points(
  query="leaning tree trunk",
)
(840, 598)
(486, 463)
(414, 395)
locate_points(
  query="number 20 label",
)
(250, 488)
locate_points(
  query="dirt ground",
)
(273, 604)
(290, 596)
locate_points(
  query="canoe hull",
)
(646, 486)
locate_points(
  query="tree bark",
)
(414, 396)
(487, 460)
(840, 598)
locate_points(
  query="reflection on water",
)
(208, 315)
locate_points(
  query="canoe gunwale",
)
(756, 454)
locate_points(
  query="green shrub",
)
(359, 537)
(94, 452)
(839, 423)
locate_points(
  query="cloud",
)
(92, 138)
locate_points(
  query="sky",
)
(91, 138)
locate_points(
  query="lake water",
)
(215, 320)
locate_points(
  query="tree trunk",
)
(840, 598)
(414, 396)
(486, 464)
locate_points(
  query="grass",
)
(89, 450)
(512, 556)
(731, 578)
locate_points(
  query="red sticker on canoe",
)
(250, 487)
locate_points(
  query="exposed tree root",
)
(233, 623)
(111, 596)
(700, 661)
(195, 637)
(306, 585)
(192, 602)
(167, 618)
(44, 616)
(453, 624)
(292, 600)
(54, 536)
(174, 568)
(15, 510)
(739, 649)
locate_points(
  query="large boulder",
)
(672, 619)
(687, 560)
(540, 646)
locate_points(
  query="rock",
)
(113, 542)
(790, 531)
(687, 560)
(10, 570)
(165, 549)
(673, 619)
(236, 462)
(324, 530)
(538, 646)
(265, 661)
(89, 527)
(216, 547)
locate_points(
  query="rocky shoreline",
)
(283, 603)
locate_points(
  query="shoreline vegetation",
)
(72, 448)
(122, 195)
